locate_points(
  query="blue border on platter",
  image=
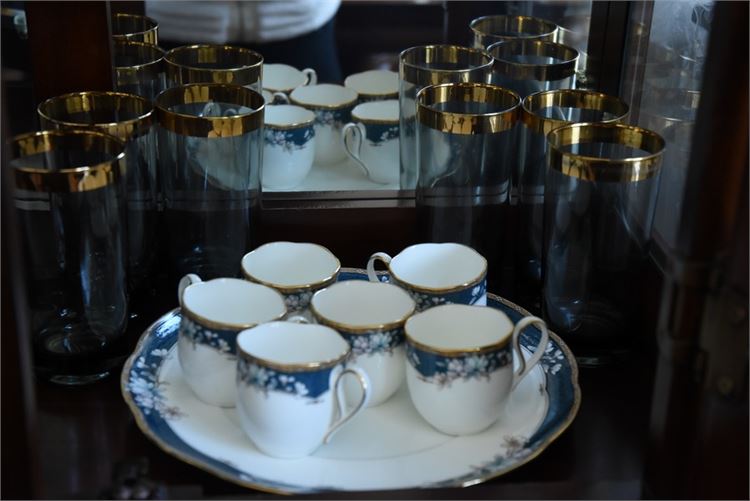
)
(140, 390)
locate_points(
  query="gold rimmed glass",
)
(135, 28)
(70, 203)
(221, 64)
(599, 200)
(139, 68)
(492, 29)
(431, 65)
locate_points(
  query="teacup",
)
(274, 97)
(296, 270)
(289, 146)
(332, 105)
(460, 364)
(370, 316)
(285, 78)
(288, 385)
(374, 85)
(435, 274)
(371, 140)
(213, 313)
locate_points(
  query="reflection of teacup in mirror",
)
(460, 364)
(285, 78)
(289, 146)
(296, 269)
(332, 105)
(371, 140)
(374, 85)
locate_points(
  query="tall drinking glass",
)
(430, 65)
(492, 29)
(221, 64)
(139, 68)
(210, 139)
(599, 203)
(70, 201)
(135, 28)
(466, 149)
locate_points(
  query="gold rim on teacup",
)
(288, 289)
(381, 96)
(569, 98)
(457, 352)
(136, 28)
(150, 57)
(57, 110)
(502, 52)
(494, 28)
(373, 121)
(468, 123)
(216, 324)
(412, 62)
(211, 127)
(291, 126)
(310, 366)
(69, 180)
(311, 106)
(246, 66)
(590, 168)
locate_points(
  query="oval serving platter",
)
(387, 447)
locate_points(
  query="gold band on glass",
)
(425, 65)
(75, 178)
(568, 98)
(506, 64)
(491, 29)
(144, 61)
(116, 113)
(221, 64)
(301, 367)
(506, 102)
(590, 168)
(224, 126)
(135, 28)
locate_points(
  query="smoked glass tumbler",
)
(492, 29)
(129, 118)
(540, 114)
(210, 139)
(599, 200)
(221, 64)
(70, 202)
(430, 65)
(139, 68)
(135, 28)
(465, 141)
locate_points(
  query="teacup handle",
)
(312, 77)
(279, 97)
(378, 256)
(189, 279)
(526, 366)
(340, 401)
(353, 133)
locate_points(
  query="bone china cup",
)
(374, 85)
(288, 147)
(296, 270)
(289, 379)
(213, 313)
(370, 316)
(371, 139)
(460, 364)
(436, 274)
(332, 105)
(285, 78)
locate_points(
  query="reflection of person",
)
(295, 32)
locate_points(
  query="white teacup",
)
(435, 274)
(285, 78)
(289, 382)
(371, 318)
(374, 85)
(332, 105)
(213, 313)
(296, 270)
(371, 140)
(289, 146)
(460, 364)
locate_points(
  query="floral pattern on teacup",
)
(298, 301)
(444, 370)
(224, 341)
(335, 118)
(289, 139)
(309, 385)
(375, 342)
(377, 134)
(425, 300)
